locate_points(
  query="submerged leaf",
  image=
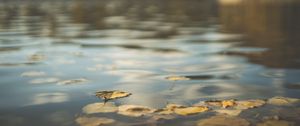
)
(283, 101)
(250, 104)
(73, 81)
(222, 120)
(190, 110)
(229, 112)
(177, 78)
(275, 123)
(93, 121)
(109, 95)
(135, 110)
(99, 108)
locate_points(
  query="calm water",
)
(228, 49)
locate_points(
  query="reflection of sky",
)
(46, 98)
(130, 55)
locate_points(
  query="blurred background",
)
(228, 48)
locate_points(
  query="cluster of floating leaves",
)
(227, 111)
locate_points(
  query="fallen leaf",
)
(109, 95)
(169, 109)
(177, 78)
(275, 123)
(217, 103)
(223, 120)
(250, 104)
(190, 110)
(228, 103)
(33, 74)
(135, 110)
(283, 101)
(229, 112)
(100, 108)
(93, 121)
(73, 81)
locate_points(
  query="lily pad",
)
(93, 121)
(190, 110)
(275, 123)
(222, 120)
(109, 95)
(33, 74)
(100, 108)
(135, 110)
(250, 104)
(283, 101)
(177, 78)
(73, 81)
(233, 112)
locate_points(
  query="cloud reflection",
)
(46, 98)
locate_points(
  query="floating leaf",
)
(73, 81)
(275, 123)
(44, 80)
(222, 120)
(169, 109)
(177, 78)
(93, 121)
(100, 108)
(135, 110)
(109, 95)
(33, 74)
(190, 110)
(214, 103)
(228, 103)
(283, 101)
(229, 112)
(250, 104)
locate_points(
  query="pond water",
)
(228, 49)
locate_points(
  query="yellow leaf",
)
(135, 110)
(283, 101)
(249, 104)
(228, 103)
(190, 110)
(99, 108)
(108, 95)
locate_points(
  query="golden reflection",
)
(272, 24)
